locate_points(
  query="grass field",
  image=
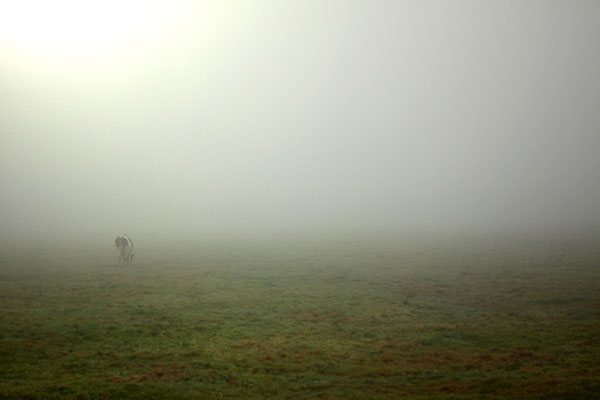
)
(347, 320)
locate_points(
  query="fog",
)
(282, 117)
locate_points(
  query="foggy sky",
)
(284, 116)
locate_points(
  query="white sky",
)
(283, 116)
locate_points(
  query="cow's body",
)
(125, 249)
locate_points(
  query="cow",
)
(125, 249)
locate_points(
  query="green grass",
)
(355, 320)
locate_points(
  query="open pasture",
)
(353, 319)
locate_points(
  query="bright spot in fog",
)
(68, 26)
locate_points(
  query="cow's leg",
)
(127, 256)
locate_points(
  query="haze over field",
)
(279, 117)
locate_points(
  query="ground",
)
(353, 319)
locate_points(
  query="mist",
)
(275, 118)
